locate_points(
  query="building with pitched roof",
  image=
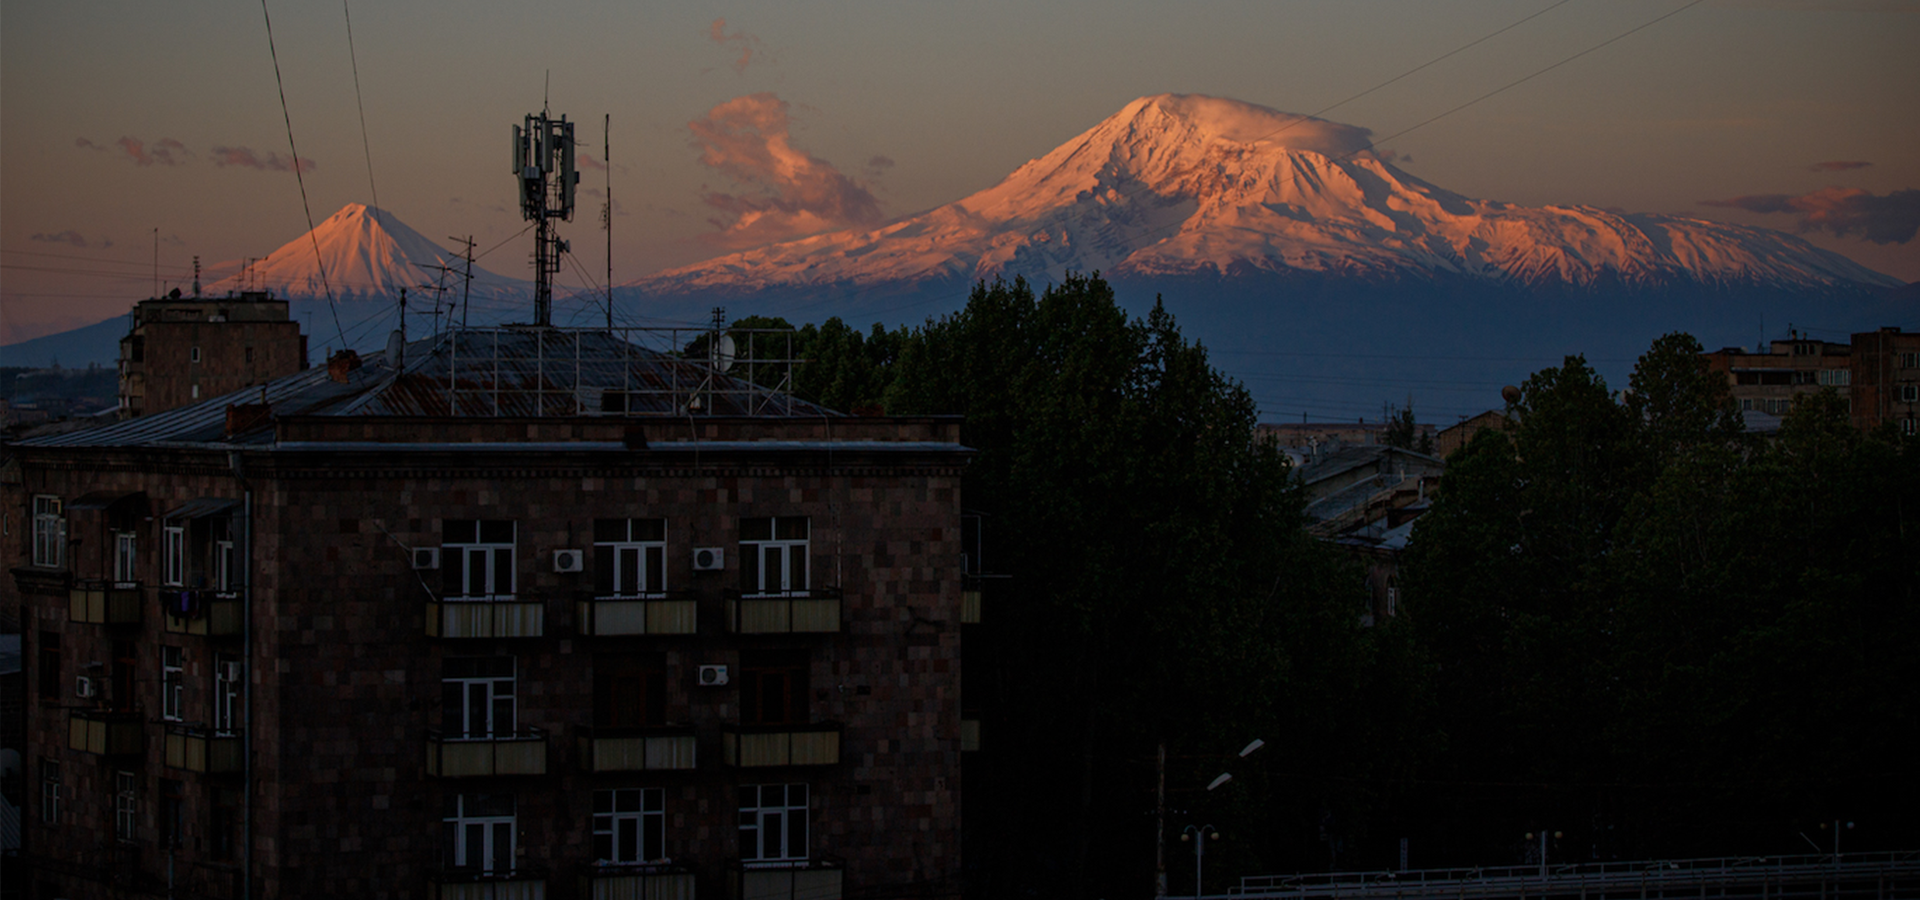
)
(506, 612)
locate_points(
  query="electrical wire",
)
(287, 114)
(365, 143)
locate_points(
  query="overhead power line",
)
(286, 114)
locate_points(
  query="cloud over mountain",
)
(1892, 219)
(791, 193)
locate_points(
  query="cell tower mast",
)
(543, 160)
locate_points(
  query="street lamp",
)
(1160, 815)
(1199, 835)
(1543, 849)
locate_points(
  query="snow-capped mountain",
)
(366, 255)
(1177, 186)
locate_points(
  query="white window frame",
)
(774, 565)
(125, 558)
(126, 805)
(50, 792)
(223, 565)
(49, 531)
(774, 822)
(471, 833)
(628, 823)
(638, 564)
(496, 562)
(173, 555)
(173, 682)
(1910, 393)
(229, 677)
(486, 707)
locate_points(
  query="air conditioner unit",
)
(230, 670)
(83, 687)
(709, 559)
(426, 557)
(713, 676)
(569, 560)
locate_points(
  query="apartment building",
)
(1886, 379)
(1767, 382)
(508, 613)
(183, 350)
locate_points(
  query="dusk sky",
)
(749, 122)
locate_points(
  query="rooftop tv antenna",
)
(543, 160)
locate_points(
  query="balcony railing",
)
(521, 883)
(637, 882)
(486, 618)
(522, 752)
(199, 750)
(106, 733)
(752, 746)
(815, 611)
(805, 879)
(206, 613)
(664, 613)
(636, 749)
(104, 603)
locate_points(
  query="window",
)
(172, 682)
(1909, 360)
(1910, 393)
(50, 683)
(629, 825)
(126, 797)
(1393, 596)
(1836, 377)
(49, 792)
(249, 354)
(629, 691)
(477, 697)
(172, 813)
(196, 392)
(773, 822)
(773, 554)
(222, 817)
(194, 355)
(225, 579)
(123, 558)
(49, 532)
(228, 677)
(173, 555)
(1907, 427)
(629, 557)
(773, 687)
(476, 559)
(479, 832)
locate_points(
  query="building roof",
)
(502, 372)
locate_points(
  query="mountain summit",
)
(365, 254)
(1180, 185)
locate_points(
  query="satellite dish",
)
(723, 352)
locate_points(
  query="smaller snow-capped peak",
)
(358, 252)
(1179, 184)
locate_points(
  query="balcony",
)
(637, 882)
(200, 750)
(480, 618)
(524, 883)
(106, 733)
(806, 879)
(636, 749)
(104, 603)
(758, 746)
(205, 613)
(663, 613)
(815, 611)
(523, 752)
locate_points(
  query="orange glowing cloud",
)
(794, 193)
(1892, 219)
(165, 152)
(740, 40)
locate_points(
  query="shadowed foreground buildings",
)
(531, 613)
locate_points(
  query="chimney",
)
(341, 363)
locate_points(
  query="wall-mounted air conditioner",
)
(569, 560)
(230, 670)
(709, 559)
(426, 557)
(83, 687)
(713, 676)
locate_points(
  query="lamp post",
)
(1199, 835)
(1160, 813)
(1543, 848)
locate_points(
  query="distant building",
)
(182, 350)
(1458, 435)
(1365, 499)
(1769, 381)
(1886, 379)
(507, 613)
